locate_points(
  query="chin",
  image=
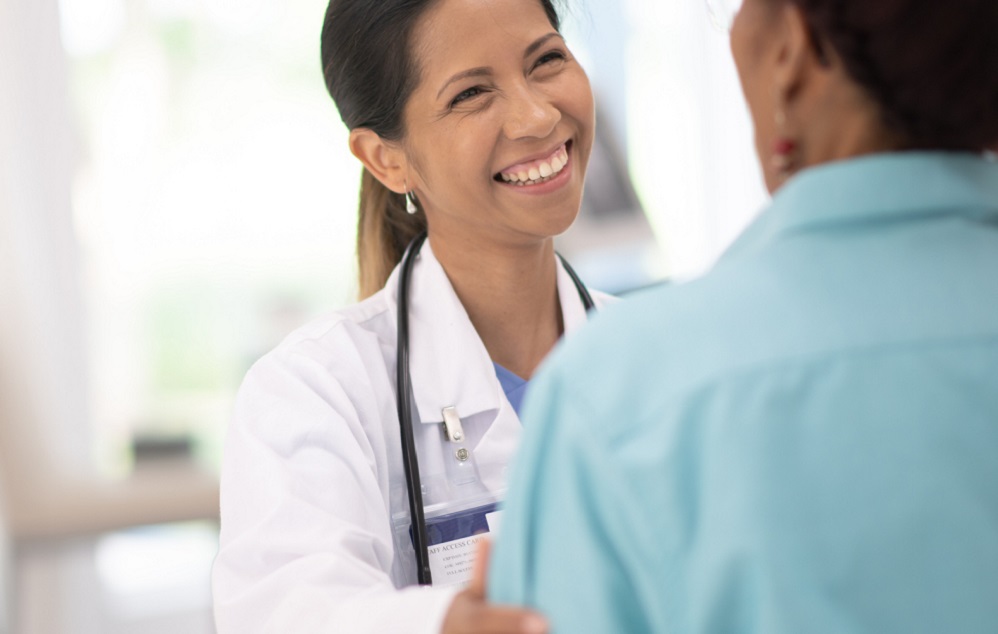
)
(770, 180)
(772, 184)
(555, 223)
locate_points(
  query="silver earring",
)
(410, 200)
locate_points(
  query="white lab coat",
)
(312, 472)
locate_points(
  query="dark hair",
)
(932, 66)
(370, 72)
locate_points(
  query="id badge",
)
(453, 542)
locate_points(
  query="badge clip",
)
(452, 424)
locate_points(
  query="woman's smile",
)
(539, 175)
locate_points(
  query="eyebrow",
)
(484, 71)
(539, 42)
(481, 71)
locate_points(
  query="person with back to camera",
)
(806, 438)
(473, 122)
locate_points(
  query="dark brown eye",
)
(547, 58)
(466, 94)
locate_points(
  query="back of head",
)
(931, 66)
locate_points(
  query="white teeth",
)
(540, 172)
(562, 159)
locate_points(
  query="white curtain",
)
(44, 428)
(44, 431)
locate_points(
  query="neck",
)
(511, 296)
(852, 141)
(853, 126)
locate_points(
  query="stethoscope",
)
(403, 384)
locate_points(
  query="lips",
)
(536, 171)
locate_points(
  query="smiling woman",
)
(474, 124)
(500, 92)
(424, 139)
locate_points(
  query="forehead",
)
(455, 35)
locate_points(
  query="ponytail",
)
(384, 230)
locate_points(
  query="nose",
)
(530, 115)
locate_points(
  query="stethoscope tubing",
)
(587, 299)
(403, 397)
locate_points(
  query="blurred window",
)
(690, 144)
(215, 200)
(214, 203)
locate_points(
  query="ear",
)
(384, 160)
(802, 59)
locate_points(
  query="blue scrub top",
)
(512, 385)
(803, 440)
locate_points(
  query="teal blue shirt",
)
(805, 440)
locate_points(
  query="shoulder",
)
(603, 299)
(652, 347)
(372, 315)
(807, 299)
(327, 385)
(336, 354)
(697, 324)
(358, 326)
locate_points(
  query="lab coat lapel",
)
(448, 361)
(450, 366)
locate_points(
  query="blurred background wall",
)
(176, 195)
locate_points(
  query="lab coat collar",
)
(448, 362)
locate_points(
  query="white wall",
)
(42, 391)
(5, 301)
(41, 333)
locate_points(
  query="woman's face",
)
(500, 127)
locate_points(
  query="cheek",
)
(741, 53)
(754, 85)
(577, 103)
(584, 95)
(457, 165)
(585, 99)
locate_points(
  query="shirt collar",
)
(448, 362)
(882, 187)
